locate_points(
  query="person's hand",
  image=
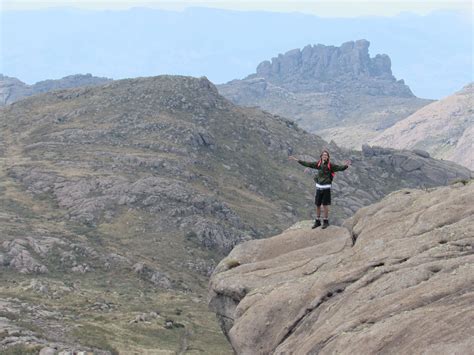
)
(348, 162)
(291, 157)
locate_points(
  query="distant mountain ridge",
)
(339, 93)
(13, 89)
(444, 128)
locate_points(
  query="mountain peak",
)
(323, 68)
(168, 92)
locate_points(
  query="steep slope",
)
(406, 286)
(118, 201)
(12, 89)
(339, 93)
(444, 128)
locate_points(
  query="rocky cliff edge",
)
(397, 278)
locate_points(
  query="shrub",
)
(231, 263)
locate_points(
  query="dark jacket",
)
(323, 176)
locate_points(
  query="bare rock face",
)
(326, 68)
(397, 278)
(444, 128)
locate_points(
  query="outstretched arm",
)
(309, 164)
(335, 167)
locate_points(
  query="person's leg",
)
(326, 204)
(317, 201)
(326, 211)
(317, 220)
(326, 215)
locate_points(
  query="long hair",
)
(324, 151)
(329, 162)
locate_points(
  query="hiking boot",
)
(316, 224)
(325, 224)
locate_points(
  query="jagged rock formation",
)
(13, 89)
(339, 93)
(405, 286)
(149, 182)
(444, 128)
(322, 68)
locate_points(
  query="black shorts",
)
(323, 197)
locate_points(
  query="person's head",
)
(324, 155)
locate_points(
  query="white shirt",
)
(323, 187)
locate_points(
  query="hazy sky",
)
(430, 48)
(325, 8)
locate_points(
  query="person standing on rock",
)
(323, 179)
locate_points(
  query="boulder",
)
(47, 351)
(421, 153)
(148, 273)
(21, 258)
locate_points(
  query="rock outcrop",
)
(13, 89)
(322, 68)
(444, 128)
(397, 278)
(339, 93)
(19, 339)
